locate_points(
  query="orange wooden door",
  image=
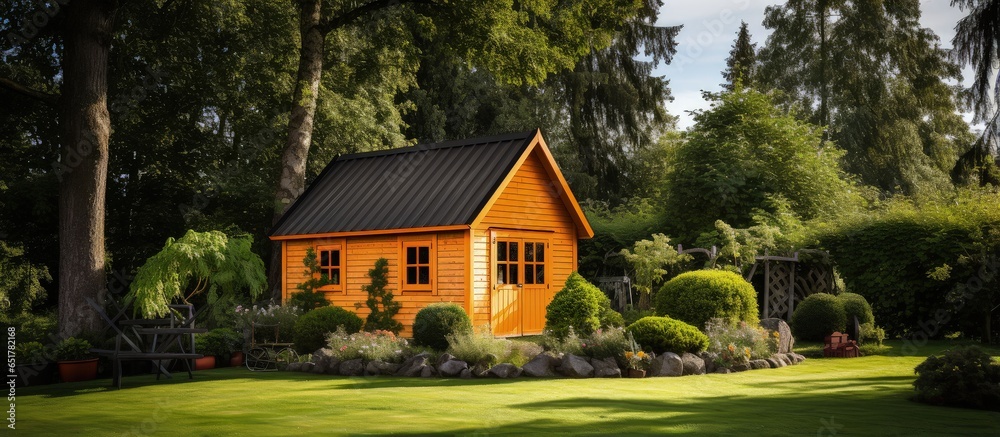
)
(520, 285)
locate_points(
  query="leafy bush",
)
(569, 343)
(32, 327)
(962, 377)
(817, 316)
(436, 321)
(478, 347)
(72, 349)
(379, 345)
(577, 305)
(871, 334)
(607, 343)
(855, 305)
(380, 300)
(273, 323)
(696, 297)
(663, 334)
(738, 343)
(312, 328)
(217, 342)
(520, 352)
(30, 352)
(610, 318)
(631, 315)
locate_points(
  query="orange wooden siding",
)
(449, 285)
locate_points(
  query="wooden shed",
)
(487, 223)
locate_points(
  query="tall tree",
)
(977, 42)
(742, 62)
(875, 79)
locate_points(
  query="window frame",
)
(340, 246)
(406, 242)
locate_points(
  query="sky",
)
(710, 28)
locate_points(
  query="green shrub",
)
(520, 352)
(218, 342)
(962, 377)
(577, 305)
(631, 315)
(817, 316)
(696, 297)
(72, 349)
(738, 343)
(478, 348)
(607, 343)
(379, 345)
(434, 322)
(312, 328)
(382, 308)
(30, 352)
(855, 305)
(309, 296)
(569, 343)
(610, 318)
(663, 334)
(871, 334)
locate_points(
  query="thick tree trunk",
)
(86, 127)
(292, 180)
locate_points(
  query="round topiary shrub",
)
(817, 316)
(312, 328)
(436, 321)
(699, 296)
(855, 305)
(578, 305)
(610, 318)
(663, 334)
(963, 377)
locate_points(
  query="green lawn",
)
(863, 396)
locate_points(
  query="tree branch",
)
(341, 20)
(48, 99)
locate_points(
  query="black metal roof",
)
(420, 186)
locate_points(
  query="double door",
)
(520, 283)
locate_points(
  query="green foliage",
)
(199, 262)
(610, 318)
(738, 343)
(434, 322)
(569, 343)
(73, 349)
(743, 158)
(855, 305)
(649, 260)
(218, 342)
(930, 261)
(577, 305)
(370, 346)
(32, 327)
(631, 315)
(21, 283)
(663, 334)
(614, 229)
(30, 352)
(741, 65)
(309, 297)
(313, 327)
(871, 334)
(963, 377)
(380, 300)
(696, 297)
(817, 316)
(607, 343)
(478, 348)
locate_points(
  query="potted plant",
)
(75, 361)
(213, 344)
(34, 366)
(637, 363)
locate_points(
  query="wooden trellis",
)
(784, 285)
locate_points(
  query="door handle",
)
(520, 285)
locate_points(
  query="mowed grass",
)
(863, 396)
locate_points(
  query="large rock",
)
(667, 364)
(414, 365)
(294, 367)
(759, 364)
(542, 366)
(452, 367)
(796, 358)
(333, 366)
(575, 367)
(376, 367)
(444, 358)
(785, 340)
(505, 370)
(466, 374)
(774, 362)
(741, 367)
(427, 371)
(693, 364)
(606, 368)
(709, 359)
(354, 367)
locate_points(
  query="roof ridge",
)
(440, 145)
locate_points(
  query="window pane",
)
(529, 252)
(529, 270)
(425, 255)
(425, 275)
(540, 274)
(411, 255)
(513, 274)
(540, 252)
(513, 251)
(335, 258)
(501, 251)
(411, 275)
(502, 274)
(324, 258)
(335, 276)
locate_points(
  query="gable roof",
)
(438, 186)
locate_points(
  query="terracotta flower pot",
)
(636, 373)
(236, 360)
(204, 363)
(78, 370)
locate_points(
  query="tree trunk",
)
(86, 127)
(292, 180)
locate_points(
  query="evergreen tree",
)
(380, 300)
(309, 296)
(742, 62)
